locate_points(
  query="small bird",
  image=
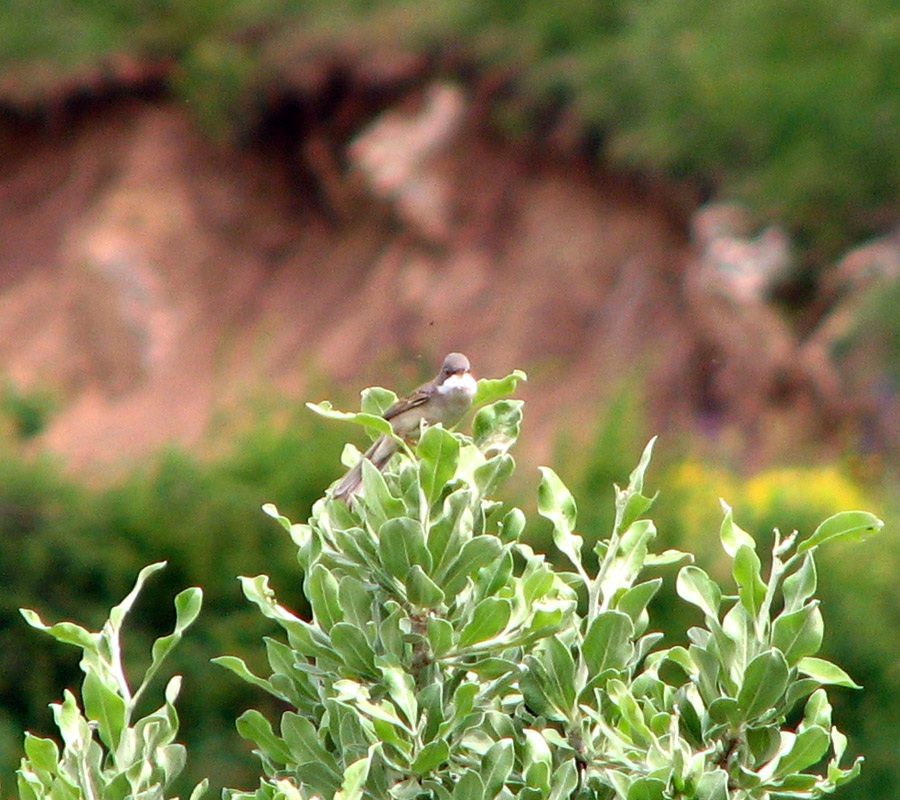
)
(443, 400)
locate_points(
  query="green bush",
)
(67, 547)
(109, 751)
(445, 658)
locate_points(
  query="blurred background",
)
(679, 217)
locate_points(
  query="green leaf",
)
(491, 389)
(376, 400)
(496, 766)
(374, 422)
(421, 591)
(106, 707)
(697, 588)
(490, 618)
(635, 601)
(636, 479)
(850, 525)
(302, 739)
(354, 780)
(240, 668)
(607, 643)
(401, 544)
(765, 681)
(555, 503)
(66, 632)
(561, 674)
(322, 590)
(256, 728)
(43, 753)
(488, 476)
(402, 691)
(496, 427)
(199, 790)
(806, 748)
(438, 453)
(475, 554)
(430, 757)
(732, 536)
(272, 510)
(469, 787)
(800, 585)
(751, 587)
(724, 711)
(353, 647)
(646, 789)
(440, 636)
(565, 780)
(818, 710)
(800, 633)
(381, 505)
(118, 613)
(355, 600)
(712, 785)
(187, 609)
(511, 526)
(826, 672)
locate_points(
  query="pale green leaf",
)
(240, 668)
(826, 672)
(375, 422)
(751, 587)
(555, 503)
(430, 757)
(850, 525)
(492, 389)
(43, 753)
(322, 589)
(800, 585)
(438, 453)
(421, 591)
(355, 779)
(496, 766)
(469, 787)
(272, 510)
(695, 586)
(764, 684)
(496, 427)
(732, 535)
(490, 618)
(440, 636)
(401, 544)
(807, 748)
(66, 632)
(353, 647)
(800, 633)
(256, 728)
(106, 707)
(607, 643)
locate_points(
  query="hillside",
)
(152, 279)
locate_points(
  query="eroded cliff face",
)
(151, 278)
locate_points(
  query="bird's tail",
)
(379, 454)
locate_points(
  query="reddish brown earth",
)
(152, 279)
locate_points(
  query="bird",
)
(444, 400)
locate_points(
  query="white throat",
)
(462, 385)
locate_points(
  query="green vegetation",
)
(131, 756)
(203, 517)
(444, 657)
(793, 108)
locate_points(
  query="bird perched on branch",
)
(444, 400)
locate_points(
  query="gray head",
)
(454, 364)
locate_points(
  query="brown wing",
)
(418, 397)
